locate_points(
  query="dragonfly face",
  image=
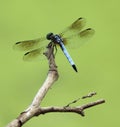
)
(56, 39)
(49, 36)
(68, 37)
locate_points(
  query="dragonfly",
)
(73, 36)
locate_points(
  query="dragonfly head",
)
(49, 36)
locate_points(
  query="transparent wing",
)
(29, 44)
(34, 55)
(78, 39)
(76, 26)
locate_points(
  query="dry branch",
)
(34, 109)
(78, 109)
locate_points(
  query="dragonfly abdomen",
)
(68, 56)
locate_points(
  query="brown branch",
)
(34, 109)
(79, 109)
(91, 94)
(51, 78)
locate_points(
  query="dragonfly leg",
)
(50, 45)
(55, 49)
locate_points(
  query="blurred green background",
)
(97, 61)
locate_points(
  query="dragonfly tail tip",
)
(74, 67)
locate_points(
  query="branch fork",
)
(35, 109)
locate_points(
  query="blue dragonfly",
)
(35, 48)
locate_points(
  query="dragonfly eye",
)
(49, 36)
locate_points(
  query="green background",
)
(98, 61)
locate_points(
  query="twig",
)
(86, 96)
(51, 78)
(34, 109)
(91, 94)
(78, 109)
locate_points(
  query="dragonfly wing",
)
(34, 55)
(87, 33)
(77, 25)
(28, 44)
(77, 40)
